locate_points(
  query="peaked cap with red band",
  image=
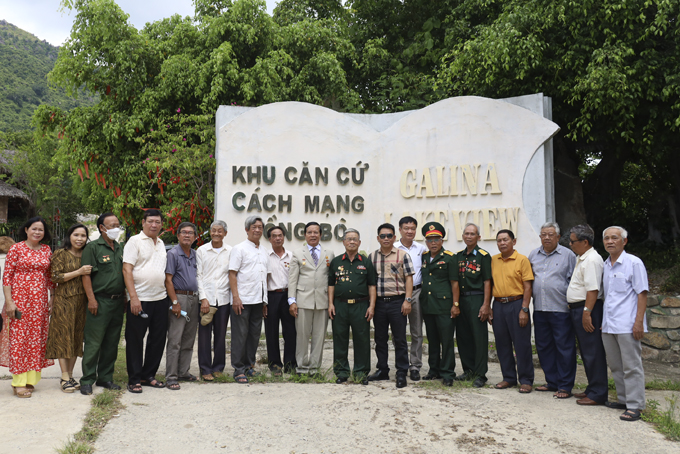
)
(433, 229)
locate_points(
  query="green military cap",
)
(433, 229)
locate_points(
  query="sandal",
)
(544, 388)
(173, 385)
(252, 373)
(241, 379)
(630, 415)
(188, 378)
(67, 386)
(277, 371)
(75, 384)
(525, 389)
(135, 389)
(22, 392)
(504, 385)
(615, 405)
(153, 383)
(208, 377)
(561, 394)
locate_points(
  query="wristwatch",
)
(525, 310)
(455, 303)
(585, 309)
(174, 302)
(410, 300)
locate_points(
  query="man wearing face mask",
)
(105, 290)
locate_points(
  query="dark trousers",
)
(556, 348)
(277, 309)
(102, 335)
(509, 334)
(473, 337)
(245, 337)
(592, 352)
(211, 362)
(442, 356)
(351, 316)
(388, 315)
(143, 365)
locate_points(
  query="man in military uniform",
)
(474, 280)
(440, 308)
(351, 303)
(105, 290)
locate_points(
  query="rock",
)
(652, 301)
(668, 356)
(673, 335)
(676, 347)
(674, 311)
(649, 353)
(668, 322)
(656, 340)
(670, 302)
(657, 311)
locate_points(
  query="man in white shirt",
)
(144, 261)
(584, 299)
(308, 298)
(212, 269)
(248, 282)
(277, 306)
(623, 326)
(407, 230)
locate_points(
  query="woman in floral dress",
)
(28, 290)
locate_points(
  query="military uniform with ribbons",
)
(472, 333)
(351, 300)
(102, 331)
(436, 299)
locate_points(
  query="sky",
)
(43, 19)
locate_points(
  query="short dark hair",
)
(309, 224)
(508, 231)
(407, 220)
(271, 229)
(187, 224)
(102, 218)
(583, 232)
(69, 232)
(22, 230)
(386, 225)
(152, 212)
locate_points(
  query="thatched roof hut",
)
(12, 200)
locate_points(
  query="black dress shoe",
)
(86, 389)
(447, 382)
(341, 380)
(364, 381)
(479, 382)
(415, 375)
(401, 381)
(108, 385)
(462, 377)
(431, 377)
(379, 375)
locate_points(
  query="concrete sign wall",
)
(465, 159)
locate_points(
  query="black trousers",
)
(143, 365)
(245, 337)
(592, 352)
(277, 310)
(211, 362)
(388, 315)
(509, 334)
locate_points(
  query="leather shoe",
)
(447, 382)
(429, 377)
(109, 385)
(401, 381)
(580, 395)
(479, 383)
(341, 380)
(86, 390)
(587, 401)
(364, 380)
(379, 375)
(415, 375)
(462, 377)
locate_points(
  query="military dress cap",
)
(433, 229)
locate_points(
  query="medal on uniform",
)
(304, 262)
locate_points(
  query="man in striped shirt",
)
(395, 270)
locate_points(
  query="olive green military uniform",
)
(436, 299)
(472, 333)
(351, 280)
(102, 331)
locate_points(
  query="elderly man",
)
(394, 270)
(474, 281)
(623, 323)
(552, 265)
(407, 229)
(584, 297)
(212, 270)
(248, 281)
(439, 300)
(351, 304)
(512, 279)
(144, 260)
(182, 287)
(277, 307)
(105, 290)
(308, 298)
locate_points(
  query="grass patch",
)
(268, 376)
(666, 422)
(438, 385)
(660, 385)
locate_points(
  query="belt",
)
(387, 299)
(184, 292)
(475, 292)
(352, 301)
(279, 290)
(580, 304)
(508, 299)
(111, 297)
(416, 287)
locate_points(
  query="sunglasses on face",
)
(386, 235)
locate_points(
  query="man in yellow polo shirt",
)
(512, 279)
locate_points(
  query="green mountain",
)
(24, 64)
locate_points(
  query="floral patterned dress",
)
(28, 273)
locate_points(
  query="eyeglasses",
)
(433, 240)
(352, 240)
(186, 232)
(548, 235)
(386, 236)
(575, 241)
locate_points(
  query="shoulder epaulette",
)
(482, 251)
(448, 253)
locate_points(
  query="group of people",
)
(72, 303)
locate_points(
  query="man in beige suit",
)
(308, 298)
